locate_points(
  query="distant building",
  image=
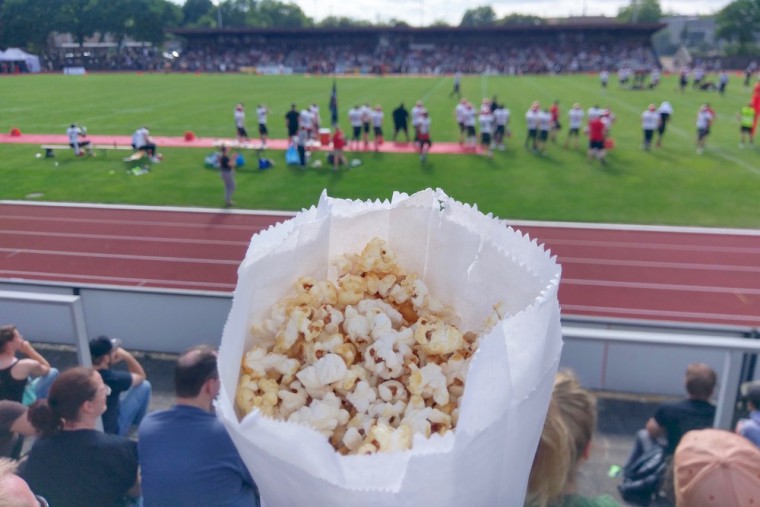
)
(691, 31)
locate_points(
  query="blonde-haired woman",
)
(564, 446)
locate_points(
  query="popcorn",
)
(367, 361)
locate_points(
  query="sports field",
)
(671, 185)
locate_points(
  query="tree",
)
(342, 22)
(479, 16)
(522, 19)
(276, 14)
(738, 22)
(641, 11)
(194, 10)
(27, 23)
(80, 18)
(442, 23)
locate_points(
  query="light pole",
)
(219, 14)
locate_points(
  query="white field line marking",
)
(661, 265)
(661, 286)
(158, 258)
(655, 246)
(142, 281)
(582, 309)
(185, 225)
(121, 237)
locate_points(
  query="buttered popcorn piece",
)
(368, 360)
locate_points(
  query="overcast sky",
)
(425, 12)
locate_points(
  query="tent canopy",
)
(18, 55)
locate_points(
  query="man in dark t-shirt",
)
(672, 420)
(291, 121)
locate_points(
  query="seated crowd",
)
(184, 455)
(363, 57)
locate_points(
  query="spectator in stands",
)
(141, 141)
(665, 110)
(14, 491)
(15, 373)
(129, 391)
(565, 444)
(186, 456)
(14, 425)
(672, 420)
(77, 139)
(401, 121)
(239, 117)
(716, 467)
(292, 118)
(73, 464)
(750, 428)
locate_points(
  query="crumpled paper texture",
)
(470, 261)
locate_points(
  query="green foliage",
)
(27, 23)
(738, 22)
(671, 185)
(342, 22)
(641, 11)
(272, 13)
(194, 10)
(522, 19)
(479, 16)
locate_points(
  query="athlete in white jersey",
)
(239, 116)
(306, 121)
(416, 114)
(377, 126)
(531, 122)
(575, 121)
(665, 111)
(486, 121)
(366, 112)
(459, 112)
(704, 120)
(650, 120)
(355, 119)
(261, 113)
(77, 139)
(544, 126)
(423, 136)
(469, 125)
(501, 117)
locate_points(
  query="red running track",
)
(664, 274)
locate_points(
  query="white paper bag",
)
(470, 261)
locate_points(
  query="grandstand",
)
(555, 48)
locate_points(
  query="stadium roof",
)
(574, 26)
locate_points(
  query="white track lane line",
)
(158, 258)
(119, 237)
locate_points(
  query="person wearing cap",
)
(750, 428)
(130, 392)
(716, 468)
(650, 120)
(15, 373)
(239, 116)
(186, 455)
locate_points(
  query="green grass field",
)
(672, 185)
